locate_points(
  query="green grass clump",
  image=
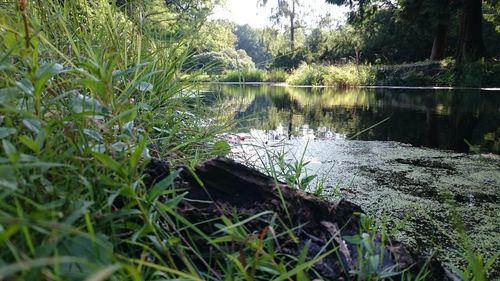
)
(277, 75)
(86, 99)
(339, 76)
(311, 75)
(348, 75)
(247, 75)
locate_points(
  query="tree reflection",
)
(431, 118)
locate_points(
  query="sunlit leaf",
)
(45, 72)
(10, 150)
(33, 125)
(5, 132)
(9, 94)
(26, 86)
(144, 86)
(8, 178)
(221, 148)
(93, 134)
(161, 186)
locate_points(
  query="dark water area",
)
(443, 119)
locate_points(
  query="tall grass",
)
(86, 99)
(277, 75)
(341, 76)
(305, 74)
(246, 75)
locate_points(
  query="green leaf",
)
(94, 85)
(489, 137)
(355, 239)
(33, 125)
(107, 161)
(45, 72)
(136, 155)
(118, 73)
(120, 146)
(144, 86)
(98, 252)
(374, 262)
(5, 132)
(81, 103)
(221, 148)
(26, 86)
(8, 178)
(104, 273)
(10, 151)
(7, 95)
(161, 186)
(93, 134)
(10, 40)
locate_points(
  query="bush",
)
(305, 74)
(218, 62)
(277, 75)
(342, 76)
(248, 75)
(349, 75)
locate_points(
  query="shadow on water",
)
(429, 118)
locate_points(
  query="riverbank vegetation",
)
(402, 43)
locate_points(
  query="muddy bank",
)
(414, 188)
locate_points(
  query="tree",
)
(436, 15)
(252, 41)
(433, 14)
(288, 9)
(215, 35)
(470, 45)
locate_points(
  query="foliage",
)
(307, 75)
(348, 75)
(250, 40)
(341, 76)
(215, 36)
(287, 11)
(218, 62)
(476, 268)
(277, 75)
(246, 75)
(288, 60)
(84, 106)
(370, 259)
(446, 73)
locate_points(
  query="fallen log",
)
(222, 187)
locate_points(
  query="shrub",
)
(305, 74)
(277, 75)
(248, 75)
(218, 62)
(336, 76)
(348, 75)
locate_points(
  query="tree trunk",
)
(292, 27)
(440, 42)
(470, 44)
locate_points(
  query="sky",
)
(248, 12)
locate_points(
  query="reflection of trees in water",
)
(440, 119)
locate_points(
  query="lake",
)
(400, 154)
(444, 119)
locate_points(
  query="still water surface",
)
(398, 173)
(444, 119)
